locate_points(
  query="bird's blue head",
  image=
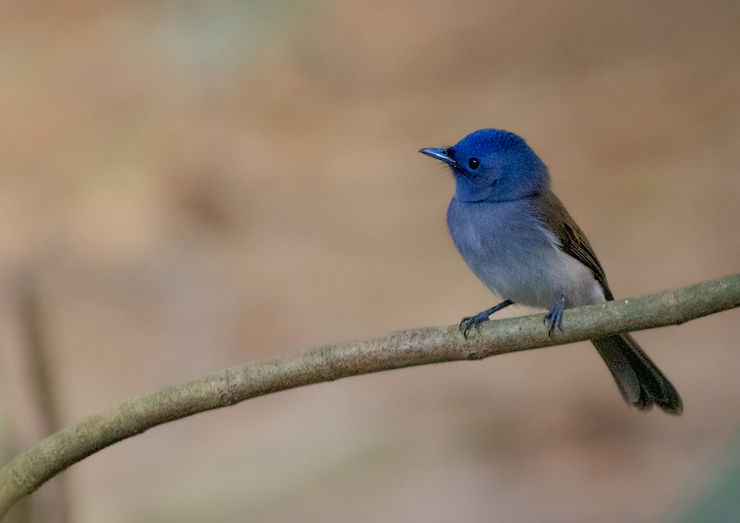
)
(493, 165)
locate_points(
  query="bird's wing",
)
(572, 240)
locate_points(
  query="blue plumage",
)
(517, 237)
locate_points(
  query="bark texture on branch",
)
(407, 348)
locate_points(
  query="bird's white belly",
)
(541, 284)
(531, 270)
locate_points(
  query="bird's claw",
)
(468, 322)
(554, 318)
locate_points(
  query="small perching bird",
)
(519, 240)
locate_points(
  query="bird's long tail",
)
(639, 380)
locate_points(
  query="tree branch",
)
(407, 348)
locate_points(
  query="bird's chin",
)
(473, 194)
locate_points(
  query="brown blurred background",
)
(193, 185)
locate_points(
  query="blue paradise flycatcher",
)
(517, 237)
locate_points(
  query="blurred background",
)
(186, 186)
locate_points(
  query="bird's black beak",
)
(443, 155)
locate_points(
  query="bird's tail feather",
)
(639, 380)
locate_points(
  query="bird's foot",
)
(554, 318)
(474, 321)
(468, 322)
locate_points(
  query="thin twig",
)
(28, 471)
(54, 505)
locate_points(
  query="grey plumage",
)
(517, 237)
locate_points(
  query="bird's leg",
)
(555, 316)
(474, 321)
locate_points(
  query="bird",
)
(520, 241)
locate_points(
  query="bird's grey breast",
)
(507, 246)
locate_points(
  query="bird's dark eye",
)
(473, 162)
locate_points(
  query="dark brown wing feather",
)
(639, 380)
(573, 241)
